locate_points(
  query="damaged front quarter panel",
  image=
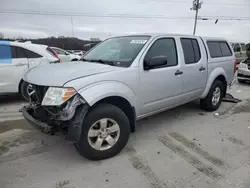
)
(69, 110)
(73, 113)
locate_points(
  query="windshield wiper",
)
(102, 61)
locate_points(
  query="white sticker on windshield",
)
(138, 41)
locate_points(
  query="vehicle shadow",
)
(175, 114)
(10, 98)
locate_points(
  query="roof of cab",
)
(176, 34)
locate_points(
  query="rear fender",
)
(214, 74)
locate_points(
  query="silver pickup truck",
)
(97, 101)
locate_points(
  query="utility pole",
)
(196, 7)
(72, 26)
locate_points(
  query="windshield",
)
(120, 51)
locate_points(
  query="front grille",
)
(38, 93)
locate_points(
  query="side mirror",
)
(155, 62)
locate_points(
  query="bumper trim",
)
(36, 123)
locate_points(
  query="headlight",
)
(56, 96)
(243, 66)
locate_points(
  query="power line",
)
(118, 15)
(229, 4)
(222, 18)
(90, 15)
(209, 3)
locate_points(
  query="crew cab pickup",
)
(98, 100)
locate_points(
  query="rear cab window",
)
(219, 49)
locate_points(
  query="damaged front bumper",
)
(68, 118)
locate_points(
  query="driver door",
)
(160, 87)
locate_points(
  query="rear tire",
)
(92, 122)
(24, 90)
(214, 97)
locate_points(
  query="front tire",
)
(213, 99)
(105, 132)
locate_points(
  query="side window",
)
(214, 49)
(5, 52)
(191, 50)
(163, 47)
(243, 47)
(20, 53)
(225, 49)
(236, 47)
(13, 52)
(31, 54)
(59, 51)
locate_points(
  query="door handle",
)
(178, 72)
(202, 68)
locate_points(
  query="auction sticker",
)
(138, 41)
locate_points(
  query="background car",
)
(77, 52)
(65, 56)
(16, 59)
(239, 51)
(244, 70)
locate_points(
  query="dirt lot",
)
(184, 147)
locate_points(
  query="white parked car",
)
(124, 79)
(244, 71)
(65, 56)
(16, 59)
(77, 52)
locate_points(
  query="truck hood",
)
(59, 74)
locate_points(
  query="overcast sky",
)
(37, 26)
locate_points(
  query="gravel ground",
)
(184, 147)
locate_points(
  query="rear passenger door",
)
(194, 68)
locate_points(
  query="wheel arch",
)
(19, 86)
(217, 74)
(124, 105)
(112, 92)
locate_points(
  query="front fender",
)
(97, 91)
(214, 74)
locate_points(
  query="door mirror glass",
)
(155, 62)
